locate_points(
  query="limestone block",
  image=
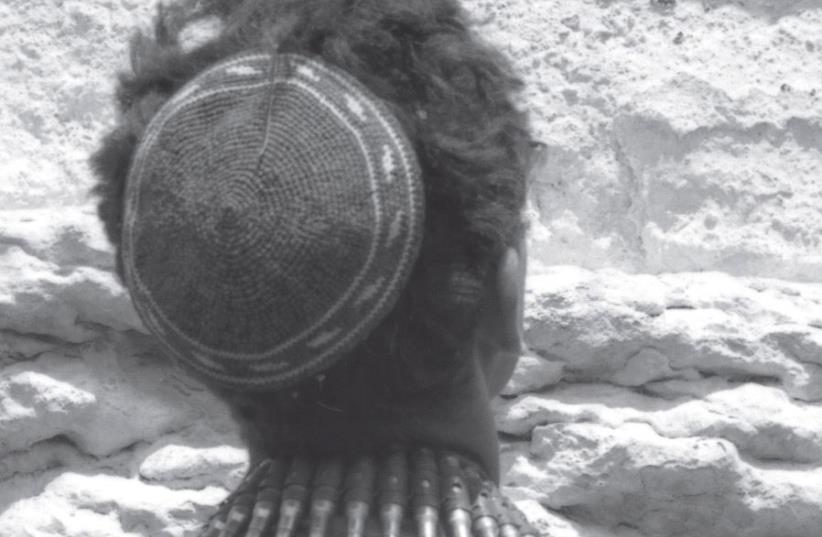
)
(533, 373)
(69, 237)
(761, 422)
(632, 476)
(104, 438)
(105, 505)
(39, 297)
(679, 135)
(553, 525)
(88, 395)
(194, 458)
(635, 329)
(58, 63)
(688, 404)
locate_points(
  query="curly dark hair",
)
(452, 94)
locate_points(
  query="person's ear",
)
(499, 335)
(511, 293)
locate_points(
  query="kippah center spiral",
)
(274, 211)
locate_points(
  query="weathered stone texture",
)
(680, 135)
(673, 385)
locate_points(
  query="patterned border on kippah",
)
(397, 198)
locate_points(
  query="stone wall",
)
(674, 308)
(681, 136)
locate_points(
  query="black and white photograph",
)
(411, 268)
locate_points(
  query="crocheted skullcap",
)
(273, 213)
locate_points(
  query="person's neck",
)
(356, 410)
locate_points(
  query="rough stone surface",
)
(679, 135)
(688, 403)
(673, 385)
(636, 329)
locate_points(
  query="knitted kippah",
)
(273, 214)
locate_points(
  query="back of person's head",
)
(452, 95)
